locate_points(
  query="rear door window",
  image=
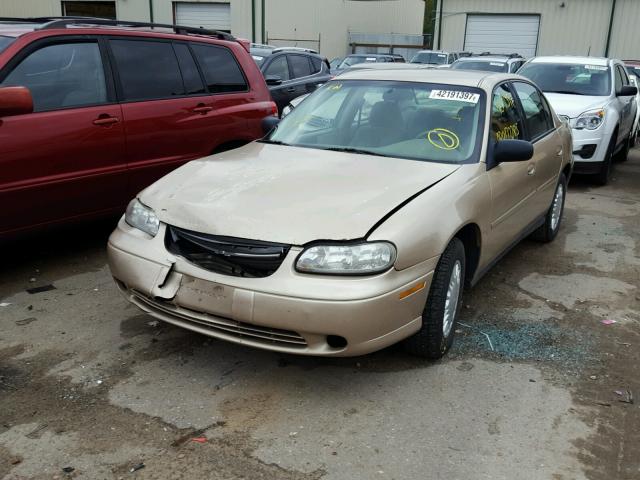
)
(221, 70)
(62, 75)
(537, 116)
(300, 66)
(278, 68)
(190, 75)
(506, 123)
(147, 69)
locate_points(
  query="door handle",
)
(560, 152)
(202, 108)
(291, 89)
(105, 120)
(531, 169)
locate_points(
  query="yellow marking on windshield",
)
(443, 139)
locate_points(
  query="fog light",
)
(336, 341)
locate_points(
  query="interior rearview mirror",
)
(273, 80)
(512, 151)
(15, 101)
(627, 91)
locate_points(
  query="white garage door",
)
(502, 34)
(214, 16)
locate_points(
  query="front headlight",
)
(590, 120)
(142, 217)
(347, 259)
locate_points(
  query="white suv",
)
(596, 97)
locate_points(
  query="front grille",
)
(227, 255)
(220, 326)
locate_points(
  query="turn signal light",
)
(412, 290)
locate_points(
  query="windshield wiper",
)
(273, 142)
(566, 92)
(354, 150)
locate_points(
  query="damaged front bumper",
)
(287, 311)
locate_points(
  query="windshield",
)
(5, 42)
(430, 58)
(418, 121)
(347, 62)
(258, 59)
(569, 78)
(482, 65)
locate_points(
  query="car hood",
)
(574, 105)
(288, 194)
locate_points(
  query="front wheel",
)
(548, 231)
(629, 143)
(440, 313)
(602, 177)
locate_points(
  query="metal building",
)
(541, 27)
(320, 24)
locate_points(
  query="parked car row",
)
(246, 245)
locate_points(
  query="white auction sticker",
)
(496, 64)
(595, 67)
(457, 95)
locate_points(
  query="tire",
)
(602, 177)
(623, 154)
(552, 220)
(435, 337)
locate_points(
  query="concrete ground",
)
(89, 383)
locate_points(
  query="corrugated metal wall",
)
(331, 19)
(625, 41)
(577, 28)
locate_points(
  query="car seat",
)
(385, 126)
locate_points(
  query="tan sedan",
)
(357, 222)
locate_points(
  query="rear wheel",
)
(548, 231)
(440, 313)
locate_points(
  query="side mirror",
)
(627, 91)
(269, 123)
(512, 151)
(273, 80)
(15, 101)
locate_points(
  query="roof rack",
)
(48, 23)
(295, 49)
(490, 54)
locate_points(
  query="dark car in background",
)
(489, 62)
(633, 66)
(435, 57)
(92, 111)
(291, 72)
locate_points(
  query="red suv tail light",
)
(274, 109)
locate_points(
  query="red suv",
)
(93, 111)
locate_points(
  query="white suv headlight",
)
(141, 217)
(347, 259)
(590, 120)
